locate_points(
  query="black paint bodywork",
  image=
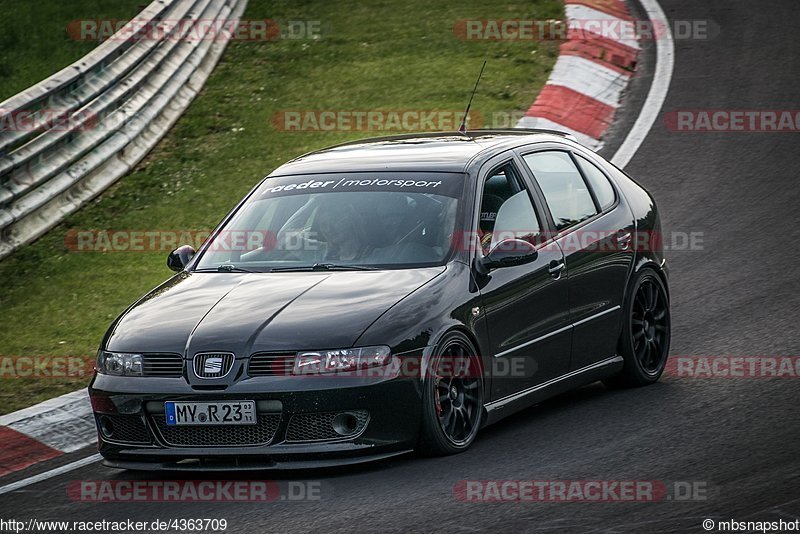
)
(563, 332)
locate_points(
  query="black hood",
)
(245, 313)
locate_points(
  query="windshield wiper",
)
(225, 268)
(323, 267)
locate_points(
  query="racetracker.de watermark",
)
(242, 241)
(733, 120)
(77, 240)
(343, 120)
(193, 29)
(42, 366)
(201, 491)
(54, 119)
(734, 367)
(583, 491)
(608, 29)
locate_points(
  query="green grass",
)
(373, 55)
(34, 42)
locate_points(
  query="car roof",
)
(422, 152)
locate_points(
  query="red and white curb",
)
(45, 431)
(589, 78)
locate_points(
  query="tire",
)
(646, 332)
(452, 403)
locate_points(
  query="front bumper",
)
(388, 407)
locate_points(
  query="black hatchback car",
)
(388, 295)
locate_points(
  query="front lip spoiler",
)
(266, 464)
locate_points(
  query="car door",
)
(525, 306)
(594, 228)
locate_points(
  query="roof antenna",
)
(463, 128)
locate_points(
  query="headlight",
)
(119, 363)
(330, 361)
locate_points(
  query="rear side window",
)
(566, 193)
(600, 184)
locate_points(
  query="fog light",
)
(106, 426)
(345, 424)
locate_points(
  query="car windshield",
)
(340, 221)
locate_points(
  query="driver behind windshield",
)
(343, 228)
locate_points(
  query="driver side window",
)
(506, 209)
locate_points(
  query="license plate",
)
(211, 413)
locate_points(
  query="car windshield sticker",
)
(445, 184)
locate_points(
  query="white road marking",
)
(659, 87)
(14, 486)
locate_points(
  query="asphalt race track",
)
(737, 296)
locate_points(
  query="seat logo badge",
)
(212, 366)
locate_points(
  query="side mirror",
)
(508, 253)
(180, 257)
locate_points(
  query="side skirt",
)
(498, 409)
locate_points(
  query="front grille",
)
(219, 436)
(270, 364)
(212, 364)
(124, 428)
(162, 365)
(320, 426)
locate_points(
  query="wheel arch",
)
(462, 329)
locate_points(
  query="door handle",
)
(555, 268)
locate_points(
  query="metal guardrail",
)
(93, 121)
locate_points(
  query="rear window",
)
(600, 185)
